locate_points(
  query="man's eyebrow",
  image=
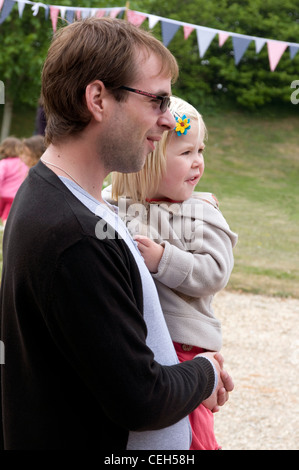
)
(162, 93)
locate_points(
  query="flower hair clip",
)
(183, 125)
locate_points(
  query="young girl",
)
(12, 173)
(31, 150)
(184, 240)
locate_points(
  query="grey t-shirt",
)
(177, 436)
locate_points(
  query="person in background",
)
(40, 120)
(185, 241)
(31, 149)
(90, 363)
(12, 173)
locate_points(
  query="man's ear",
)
(95, 95)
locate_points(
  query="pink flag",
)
(187, 31)
(1, 3)
(222, 38)
(54, 15)
(114, 12)
(100, 13)
(275, 51)
(135, 18)
(78, 14)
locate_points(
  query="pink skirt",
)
(201, 419)
(5, 205)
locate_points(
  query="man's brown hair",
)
(92, 49)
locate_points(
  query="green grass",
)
(252, 166)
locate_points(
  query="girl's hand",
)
(151, 251)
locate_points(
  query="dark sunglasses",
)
(165, 100)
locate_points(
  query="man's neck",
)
(78, 164)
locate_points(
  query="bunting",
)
(240, 45)
(222, 37)
(169, 27)
(204, 39)
(275, 51)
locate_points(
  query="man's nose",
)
(167, 120)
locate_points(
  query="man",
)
(89, 362)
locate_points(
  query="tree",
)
(24, 44)
(211, 80)
(215, 77)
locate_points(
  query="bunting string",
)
(169, 28)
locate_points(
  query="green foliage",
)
(213, 79)
(207, 82)
(24, 42)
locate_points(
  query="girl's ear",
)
(95, 95)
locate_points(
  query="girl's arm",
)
(202, 273)
(199, 273)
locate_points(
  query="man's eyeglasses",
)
(165, 100)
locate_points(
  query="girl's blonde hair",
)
(137, 186)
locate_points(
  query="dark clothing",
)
(40, 121)
(77, 373)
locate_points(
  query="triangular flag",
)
(204, 39)
(1, 3)
(46, 12)
(275, 51)
(168, 31)
(135, 18)
(85, 13)
(35, 8)
(114, 12)
(78, 14)
(293, 51)
(54, 11)
(187, 31)
(152, 21)
(93, 11)
(7, 7)
(70, 14)
(100, 13)
(62, 12)
(259, 43)
(240, 45)
(21, 6)
(222, 37)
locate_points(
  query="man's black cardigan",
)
(77, 373)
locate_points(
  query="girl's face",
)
(184, 165)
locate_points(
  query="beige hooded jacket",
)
(196, 264)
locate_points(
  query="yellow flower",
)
(182, 125)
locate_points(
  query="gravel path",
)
(261, 352)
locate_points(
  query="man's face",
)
(137, 123)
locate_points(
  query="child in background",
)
(12, 173)
(31, 150)
(185, 241)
